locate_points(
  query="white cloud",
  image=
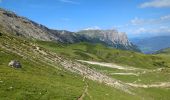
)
(140, 30)
(93, 28)
(69, 1)
(152, 26)
(139, 21)
(156, 4)
(167, 17)
(162, 30)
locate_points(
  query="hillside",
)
(48, 73)
(99, 52)
(43, 75)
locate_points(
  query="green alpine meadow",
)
(49, 52)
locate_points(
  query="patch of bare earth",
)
(156, 85)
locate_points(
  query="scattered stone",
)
(38, 48)
(11, 87)
(15, 64)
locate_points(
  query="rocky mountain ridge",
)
(111, 38)
(21, 26)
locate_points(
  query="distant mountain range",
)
(152, 44)
(21, 26)
(163, 51)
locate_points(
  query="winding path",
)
(85, 92)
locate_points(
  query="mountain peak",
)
(110, 37)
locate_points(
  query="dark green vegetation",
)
(98, 52)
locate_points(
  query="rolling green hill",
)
(98, 52)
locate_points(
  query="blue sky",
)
(135, 17)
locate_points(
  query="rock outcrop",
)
(111, 38)
(15, 64)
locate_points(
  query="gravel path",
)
(134, 74)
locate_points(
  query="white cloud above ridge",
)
(139, 21)
(93, 28)
(156, 4)
(162, 30)
(142, 27)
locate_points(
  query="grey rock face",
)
(15, 64)
(24, 27)
(21, 26)
(111, 38)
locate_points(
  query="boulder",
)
(15, 64)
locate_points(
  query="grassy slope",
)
(99, 52)
(146, 78)
(36, 81)
(165, 53)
